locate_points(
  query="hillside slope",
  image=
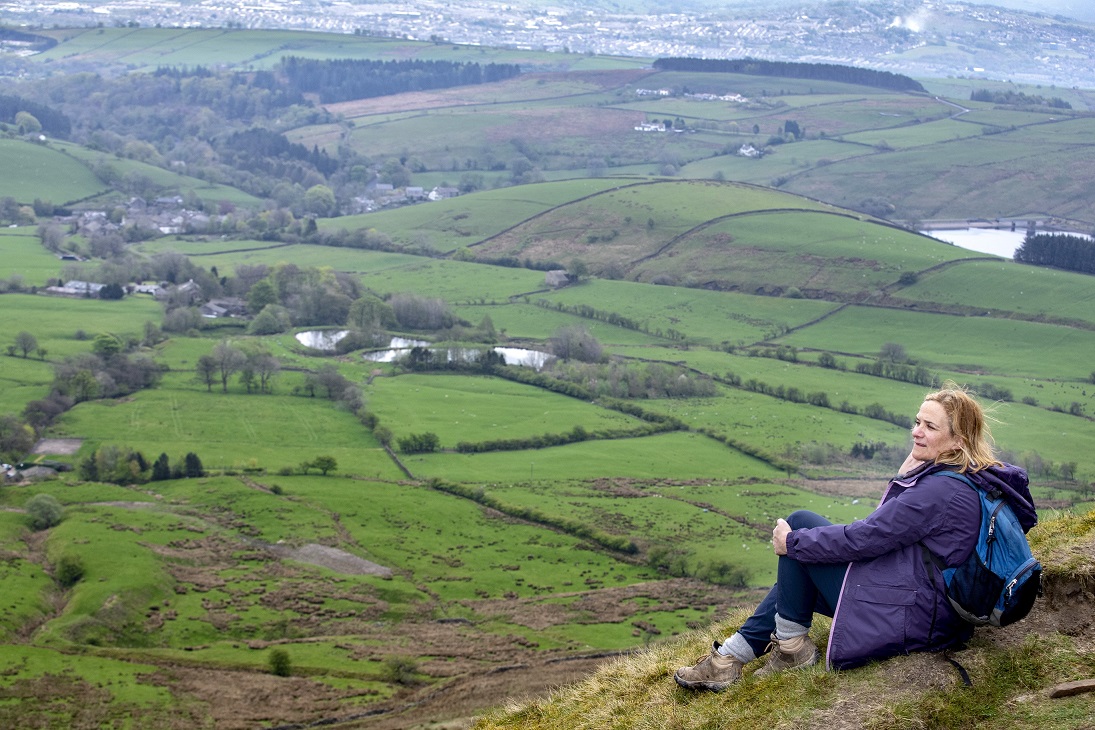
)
(1012, 670)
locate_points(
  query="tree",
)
(44, 511)
(280, 663)
(26, 342)
(893, 352)
(27, 123)
(16, 438)
(575, 342)
(325, 464)
(262, 293)
(320, 200)
(272, 320)
(106, 345)
(112, 292)
(192, 465)
(69, 570)
(419, 443)
(206, 371)
(161, 468)
(228, 360)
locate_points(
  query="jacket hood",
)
(1012, 481)
(1009, 480)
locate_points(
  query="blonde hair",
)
(967, 422)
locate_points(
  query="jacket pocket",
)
(886, 616)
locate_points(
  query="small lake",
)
(513, 355)
(982, 240)
(1002, 242)
(321, 339)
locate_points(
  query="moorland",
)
(260, 533)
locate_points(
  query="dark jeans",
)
(801, 590)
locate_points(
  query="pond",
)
(513, 355)
(1001, 242)
(321, 339)
(982, 240)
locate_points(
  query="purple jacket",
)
(893, 600)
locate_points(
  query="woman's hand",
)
(779, 536)
(910, 464)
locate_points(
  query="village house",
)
(75, 288)
(557, 278)
(224, 307)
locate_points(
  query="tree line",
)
(52, 122)
(793, 70)
(345, 79)
(1073, 253)
(1010, 97)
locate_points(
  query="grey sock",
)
(737, 647)
(789, 629)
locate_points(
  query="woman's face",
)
(932, 433)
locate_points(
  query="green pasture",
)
(877, 112)
(22, 255)
(449, 224)
(23, 580)
(455, 281)
(455, 546)
(633, 221)
(1031, 291)
(1059, 130)
(1004, 117)
(681, 455)
(992, 174)
(41, 171)
(781, 162)
(713, 521)
(122, 575)
(518, 322)
(769, 253)
(776, 427)
(559, 134)
(166, 180)
(840, 384)
(981, 344)
(918, 135)
(86, 687)
(23, 380)
(226, 255)
(727, 114)
(701, 315)
(231, 431)
(752, 86)
(464, 408)
(54, 321)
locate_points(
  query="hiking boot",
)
(713, 672)
(795, 653)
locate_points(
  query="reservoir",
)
(983, 240)
(1001, 242)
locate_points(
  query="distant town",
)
(927, 39)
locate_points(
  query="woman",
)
(871, 576)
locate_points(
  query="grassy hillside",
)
(904, 156)
(1011, 671)
(755, 340)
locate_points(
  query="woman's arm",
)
(904, 520)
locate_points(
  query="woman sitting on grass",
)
(871, 576)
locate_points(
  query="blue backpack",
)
(998, 583)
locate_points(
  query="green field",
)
(402, 580)
(43, 171)
(24, 258)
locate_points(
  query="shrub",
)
(279, 662)
(398, 670)
(44, 511)
(69, 570)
